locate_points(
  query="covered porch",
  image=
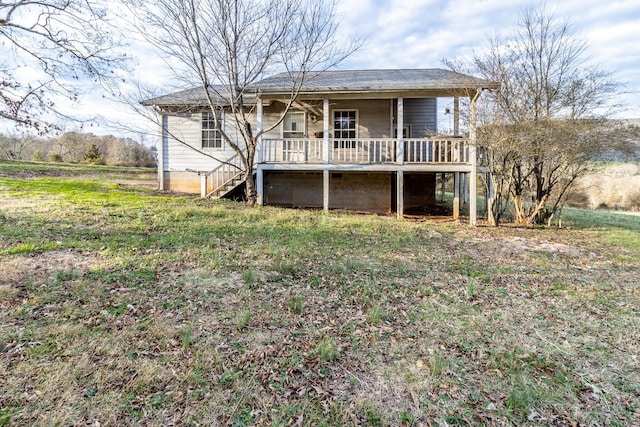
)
(347, 145)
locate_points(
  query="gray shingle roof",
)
(377, 80)
(191, 97)
(344, 81)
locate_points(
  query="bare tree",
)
(548, 120)
(67, 41)
(15, 147)
(225, 47)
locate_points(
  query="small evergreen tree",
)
(93, 155)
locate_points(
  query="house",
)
(363, 140)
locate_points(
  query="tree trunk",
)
(521, 216)
(492, 214)
(252, 195)
(495, 207)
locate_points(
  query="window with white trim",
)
(345, 128)
(293, 125)
(211, 137)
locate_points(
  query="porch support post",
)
(464, 188)
(259, 130)
(325, 131)
(259, 173)
(163, 138)
(443, 185)
(326, 153)
(203, 185)
(456, 195)
(473, 175)
(400, 194)
(400, 125)
(325, 190)
(456, 116)
(260, 186)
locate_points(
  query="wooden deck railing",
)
(362, 151)
(365, 150)
(308, 150)
(454, 150)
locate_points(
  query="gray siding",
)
(273, 112)
(421, 114)
(373, 117)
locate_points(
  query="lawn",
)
(120, 305)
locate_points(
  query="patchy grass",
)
(123, 306)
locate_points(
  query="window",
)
(406, 131)
(344, 128)
(293, 125)
(210, 135)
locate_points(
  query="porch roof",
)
(384, 83)
(194, 97)
(434, 81)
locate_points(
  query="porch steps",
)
(223, 179)
(220, 192)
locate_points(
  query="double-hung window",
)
(210, 134)
(345, 128)
(293, 125)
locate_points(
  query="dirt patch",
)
(521, 245)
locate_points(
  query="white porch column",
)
(203, 185)
(400, 126)
(325, 190)
(259, 130)
(473, 209)
(400, 194)
(456, 195)
(326, 153)
(164, 123)
(325, 131)
(260, 186)
(259, 172)
(456, 116)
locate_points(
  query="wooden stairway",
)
(223, 179)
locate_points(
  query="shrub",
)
(38, 156)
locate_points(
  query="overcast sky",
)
(420, 33)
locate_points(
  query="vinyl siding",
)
(272, 113)
(373, 117)
(185, 130)
(373, 122)
(421, 114)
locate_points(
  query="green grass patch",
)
(131, 307)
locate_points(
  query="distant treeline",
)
(78, 147)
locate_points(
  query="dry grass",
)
(613, 186)
(123, 307)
